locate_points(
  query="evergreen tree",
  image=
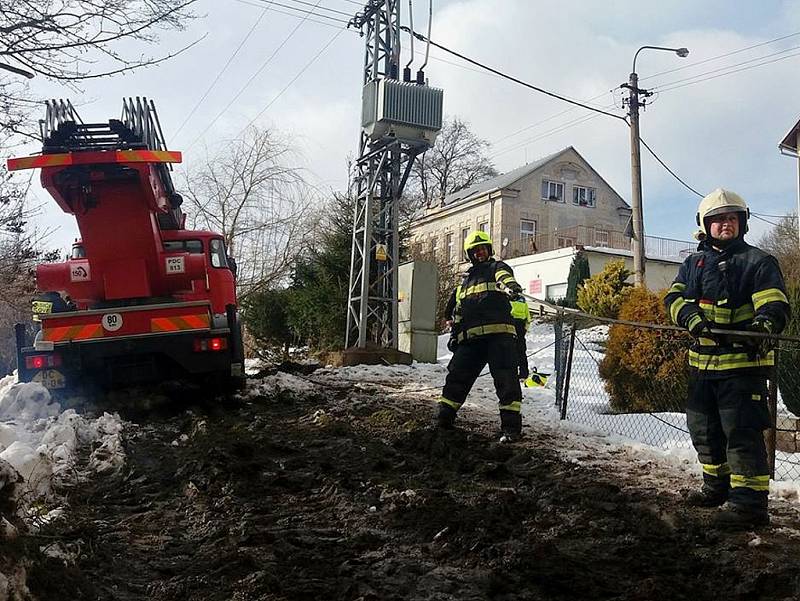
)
(578, 272)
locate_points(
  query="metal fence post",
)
(557, 330)
(772, 395)
(569, 371)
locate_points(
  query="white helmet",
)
(722, 201)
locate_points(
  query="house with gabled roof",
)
(555, 202)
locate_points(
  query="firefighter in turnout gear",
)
(729, 285)
(483, 332)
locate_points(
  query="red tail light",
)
(42, 361)
(210, 344)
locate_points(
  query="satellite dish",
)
(505, 242)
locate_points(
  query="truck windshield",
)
(190, 246)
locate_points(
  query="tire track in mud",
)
(353, 496)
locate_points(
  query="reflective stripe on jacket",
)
(480, 303)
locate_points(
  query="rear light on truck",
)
(210, 344)
(42, 361)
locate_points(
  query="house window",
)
(449, 245)
(483, 226)
(527, 235)
(555, 292)
(564, 242)
(464, 234)
(601, 238)
(583, 196)
(552, 191)
(433, 248)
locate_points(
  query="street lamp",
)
(636, 162)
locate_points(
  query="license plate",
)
(50, 378)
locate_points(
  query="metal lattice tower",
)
(381, 171)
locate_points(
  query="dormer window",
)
(583, 196)
(552, 191)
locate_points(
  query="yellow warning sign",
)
(380, 252)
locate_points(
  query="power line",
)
(303, 11)
(281, 12)
(719, 56)
(563, 127)
(550, 118)
(422, 38)
(256, 74)
(295, 78)
(726, 67)
(331, 10)
(783, 58)
(222, 71)
(772, 223)
(775, 216)
(670, 171)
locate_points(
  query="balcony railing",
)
(581, 235)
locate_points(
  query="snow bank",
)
(40, 442)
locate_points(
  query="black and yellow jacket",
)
(729, 288)
(480, 306)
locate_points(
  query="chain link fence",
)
(652, 409)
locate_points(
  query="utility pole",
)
(399, 121)
(637, 243)
(637, 214)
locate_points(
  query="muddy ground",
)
(349, 494)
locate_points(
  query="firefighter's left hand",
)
(452, 344)
(762, 346)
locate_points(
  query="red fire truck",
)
(152, 300)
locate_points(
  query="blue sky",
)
(719, 130)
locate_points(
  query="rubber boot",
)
(714, 493)
(511, 426)
(446, 417)
(741, 517)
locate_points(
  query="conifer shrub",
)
(603, 293)
(789, 355)
(578, 273)
(645, 369)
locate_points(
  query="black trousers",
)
(470, 357)
(727, 417)
(522, 349)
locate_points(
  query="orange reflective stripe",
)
(176, 323)
(45, 160)
(148, 156)
(79, 332)
(88, 158)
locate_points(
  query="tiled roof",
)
(501, 181)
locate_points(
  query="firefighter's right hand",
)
(452, 344)
(699, 326)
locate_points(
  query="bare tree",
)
(254, 193)
(75, 40)
(457, 160)
(782, 242)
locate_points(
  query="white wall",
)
(536, 273)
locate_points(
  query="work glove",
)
(452, 344)
(700, 328)
(761, 346)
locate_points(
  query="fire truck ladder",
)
(139, 128)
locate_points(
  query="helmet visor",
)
(724, 209)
